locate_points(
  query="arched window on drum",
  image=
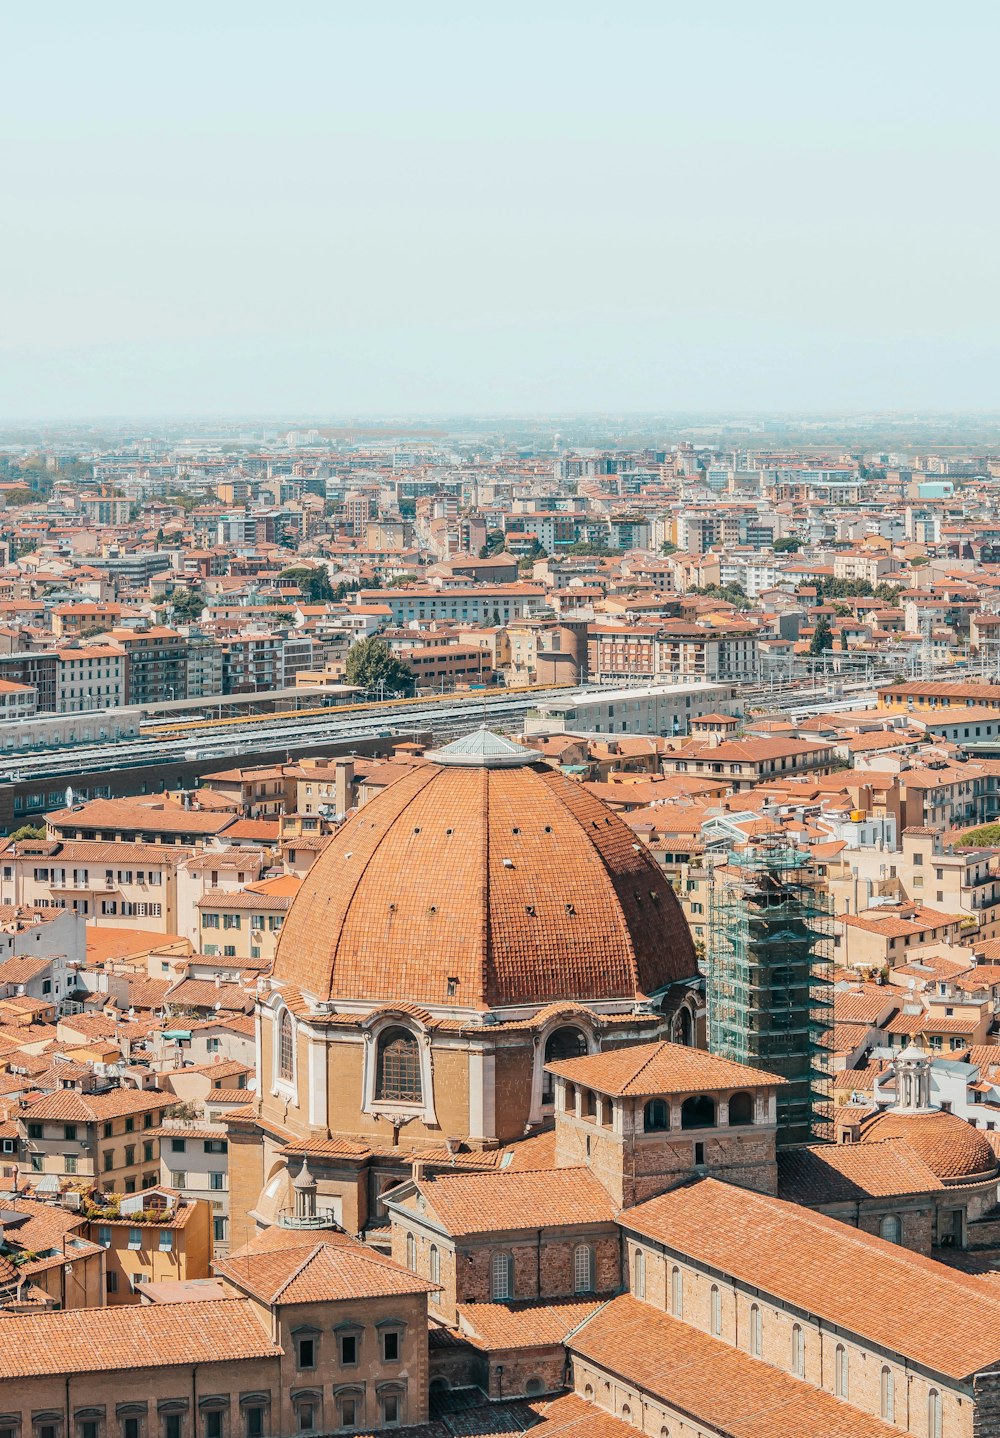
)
(286, 1048)
(397, 1074)
(564, 1043)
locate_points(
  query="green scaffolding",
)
(770, 998)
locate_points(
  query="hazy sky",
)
(404, 207)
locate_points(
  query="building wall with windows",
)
(194, 1161)
(153, 1246)
(115, 885)
(518, 1265)
(107, 1138)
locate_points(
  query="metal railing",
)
(322, 1218)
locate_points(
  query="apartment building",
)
(158, 1236)
(887, 935)
(745, 763)
(246, 924)
(156, 671)
(194, 1162)
(89, 676)
(106, 1137)
(924, 870)
(127, 884)
(17, 701)
(485, 604)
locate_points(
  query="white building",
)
(664, 709)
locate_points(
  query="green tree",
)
(987, 836)
(668, 547)
(822, 639)
(787, 545)
(313, 581)
(371, 664)
(594, 548)
(731, 593)
(28, 831)
(188, 605)
(496, 543)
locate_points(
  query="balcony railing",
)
(322, 1218)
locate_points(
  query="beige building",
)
(308, 1334)
(116, 885)
(155, 1237)
(109, 1138)
(924, 870)
(246, 924)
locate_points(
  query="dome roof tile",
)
(950, 1147)
(481, 886)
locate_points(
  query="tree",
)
(594, 548)
(822, 639)
(188, 605)
(496, 543)
(371, 664)
(987, 836)
(28, 831)
(787, 545)
(733, 594)
(313, 581)
(668, 547)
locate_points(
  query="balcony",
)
(322, 1218)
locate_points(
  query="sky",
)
(400, 208)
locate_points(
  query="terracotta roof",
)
(257, 900)
(86, 1340)
(105, 943)
(514, 883)
(949, 1146)
(852, 1006)
(68, 1106)
(841, 1173)
(323, 1273)
(567, 1416)
(131, 814)
(229, 1096)
(523, 1325)
(840, 1274)
(20, 969)
(643, 1069)
(723, 1388)
(505, 1199)
(205, 994)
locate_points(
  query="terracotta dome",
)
(949, 1146)
(479, 880)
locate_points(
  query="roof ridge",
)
(655, 1050)
(316, 1248)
